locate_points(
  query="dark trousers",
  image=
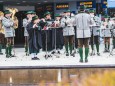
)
(68, 39)
(9, 41)
(107, 40)
(94, 40)
(1, 38)
(83, 42)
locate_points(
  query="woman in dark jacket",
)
(35, 41)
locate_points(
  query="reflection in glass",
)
(53, 77)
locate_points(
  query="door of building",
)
(19, 38)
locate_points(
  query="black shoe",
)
(113, 46)
(77, 51)
(58, 52)
(67, 54)
(72, 54)
(27, 54)
(98, 53)
(49, 55)
(12, 55)
(7, 56)
(35, 58)
(46, 57)
(105, 50)
(92, 53)
(81, 60)
(53, 52)
(108, 50)
(86, 60)
(1, 53)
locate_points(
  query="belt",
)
(69, 26)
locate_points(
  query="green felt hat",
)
(91, 11)
(29, 12)
(106, 16)
(47, 13)
(33, 12)
(67, 11)
(82, 7)
(7, 12)
(57, 15)
(34, 18)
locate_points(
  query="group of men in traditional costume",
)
(49, 34)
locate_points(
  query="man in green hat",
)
(68, 32)
(106, 34)
(9, 32)
(95, 32)
(47, 21)
(58, 42)
(26, 21)
(83, 22)
(35, 39)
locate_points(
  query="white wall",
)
(21, 8)
(72, 7)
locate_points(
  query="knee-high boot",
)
(1, 49)
(81, 54)
(86, 54)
